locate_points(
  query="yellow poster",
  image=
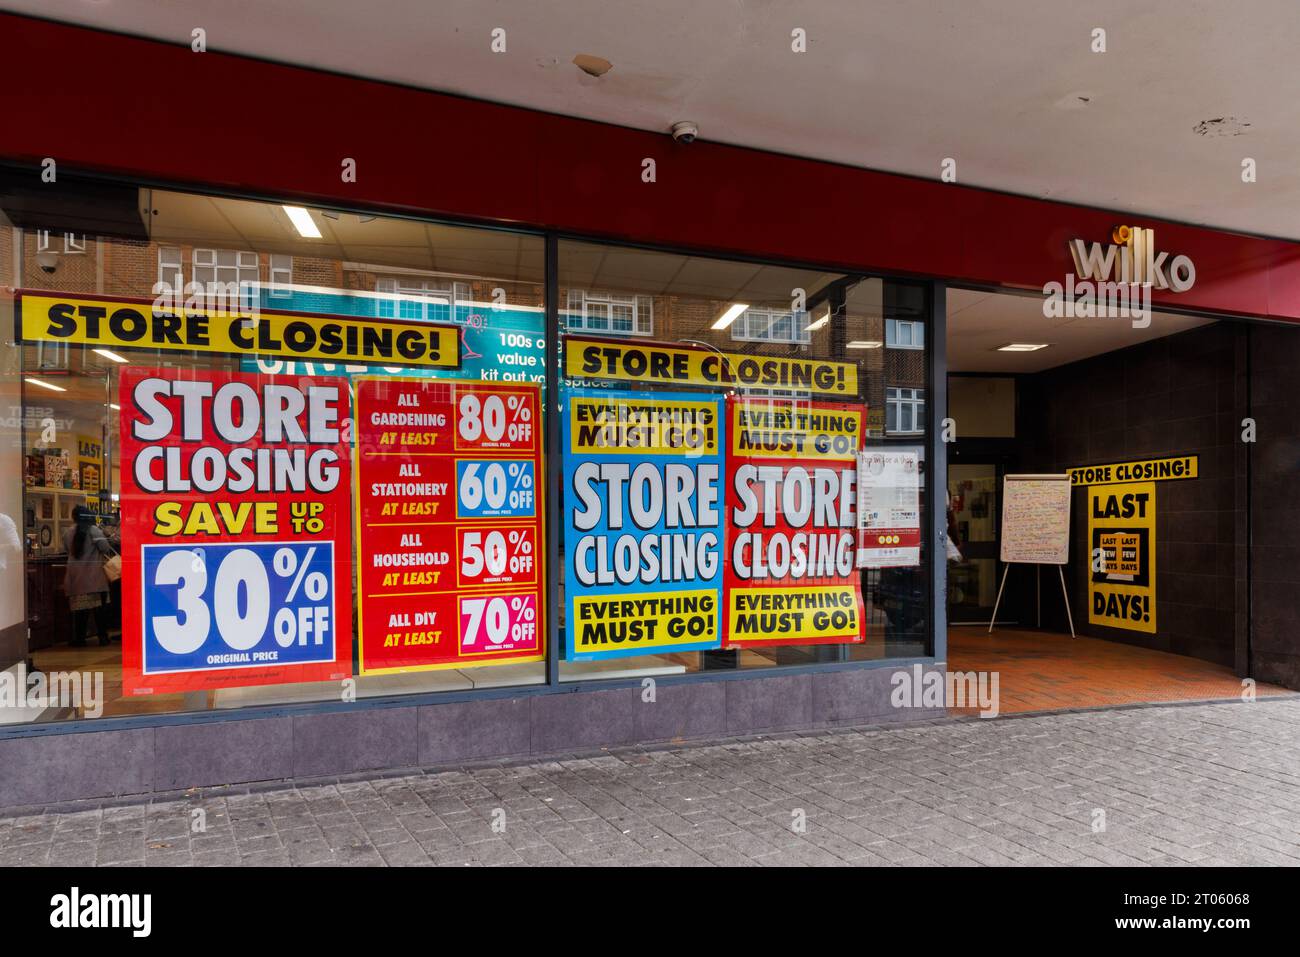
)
(1122, 530)
(116, 323)
(663, 363)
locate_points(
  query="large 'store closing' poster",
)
(792, 576)
(236, 530)
(643, 532)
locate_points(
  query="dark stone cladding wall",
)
(1176, 395)
(1275, 504)
(43, 769)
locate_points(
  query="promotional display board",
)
(449, 513)
(1035, 530)
(643, 535)
(791, 502)
(1122, 537)
(889, 507)
(236, 530)
(1036, 519)
(112, 322)
(662, 363)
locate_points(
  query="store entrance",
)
(1148, 411)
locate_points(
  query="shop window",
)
(904, 334)
(610, 313)
(677, 557)
(381, 529)
(253, 570)
(904, 410)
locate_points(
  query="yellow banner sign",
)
(1138, 470)
(590, 358)
(1122, 532)
(783, 615)
(642, 621)
(114, 323)
(781, 427)
(652, 426)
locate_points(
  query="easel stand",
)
(1038, 568)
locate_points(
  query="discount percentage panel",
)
(449, 523)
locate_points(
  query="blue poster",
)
(210, 607)
(643, 522)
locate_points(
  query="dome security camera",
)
(685, 131)
(48, 261)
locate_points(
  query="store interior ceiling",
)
(1157, 125)
(346, 237)
(981, 323)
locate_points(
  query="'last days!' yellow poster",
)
(1122, 532)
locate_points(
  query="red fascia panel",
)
(111, 103)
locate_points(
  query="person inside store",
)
(86, 583)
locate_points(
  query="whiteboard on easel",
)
(1036, 519)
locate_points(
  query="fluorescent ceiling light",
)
(302, 222)
(728, 317)
(108, 355)
(114, 405)
(863, 344)
(1023, 346)
(45, 385)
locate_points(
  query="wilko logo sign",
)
(1131, 257)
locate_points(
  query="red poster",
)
(236, 530)
(449, 482)
(790, 576)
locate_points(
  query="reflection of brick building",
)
(891, 368)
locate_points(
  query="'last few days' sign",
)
(1122, 533)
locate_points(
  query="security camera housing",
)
(685, 132)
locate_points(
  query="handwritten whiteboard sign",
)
(1036, 519)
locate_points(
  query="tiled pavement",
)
(1199, 784)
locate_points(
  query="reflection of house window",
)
(169, 266)
(281, 276)
(610, 312)
(757, 393)
(765, 325)
(904, 409)
(224, 266)
(904, 334)
(417, 295)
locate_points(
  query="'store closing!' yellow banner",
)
(115, 323)
(591, 358)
